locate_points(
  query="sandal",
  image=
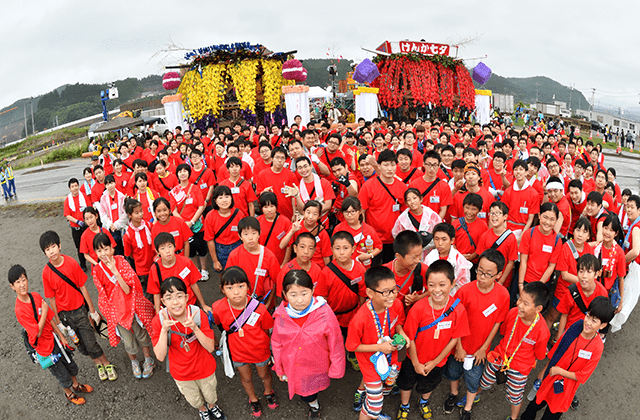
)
(75, 399)
(87, 389)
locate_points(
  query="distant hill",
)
(524, 89)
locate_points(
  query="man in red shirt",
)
(577, 201)
(382, 199)
(98, 187)
(496, 175)
(405, 171)
(74, 204)
(312, 187)
(523, 201)
(278, 180)
(500, 238)
(469, 228)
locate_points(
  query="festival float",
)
(230, 82)
(422, 80)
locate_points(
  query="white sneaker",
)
(204, 274)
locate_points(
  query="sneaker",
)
(102, 374)
(87, 389)
(465, 415)
(204, 274)
(463, 401)
(575, 403)
(450, 403)
(216, 413)
(425, 411)
(147, 368)
(256, 408)
(111, 372)
(314, 413)
(204, 415)
(272, 401)
(358, 400)
(395, 389)
(75, 399)
(384, 416)
(403, 413)
(354, 362)
(135, 366)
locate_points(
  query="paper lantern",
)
(293, 70)
(481, 73)
(366, 72)
(171, 80)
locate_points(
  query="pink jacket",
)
(309, 355)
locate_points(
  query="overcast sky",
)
(589, 44)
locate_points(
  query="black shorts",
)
(197, 245)
(408, 378)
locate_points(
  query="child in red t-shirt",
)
(409, 272)
(309, 223)
(368, 243)
(145, 195)
(176, 226)
(74, 205)
(181, 334)
(306, 342)
(273, 226)
(44, 335)
(612, 256)
(91, 216)
(370, 333)
(172, 265)
(247, 323)
(434, 326)
(486, 303)
(525, 337)
(221, 227)
(303, 247)
(137, 242)
(469, 228)
(498, 238)
(256, 260)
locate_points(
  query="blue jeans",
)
(5, 190)
(11, 185)
(454, 370)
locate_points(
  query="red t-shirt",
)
(143, 257)
(166, 184)
(534, 345)
(176, 227)
(67, 298)
(360, 237)
(186, 204)
(542, 251)
(340, 297)
(405, 282)
(323, 244)
(508, 247)
(281, 227)
(614, 261)
(146, 199)
(457, 209)
(565, 210)
(243, 196)
(206, 181)
(438, 197)
(268, 178)
(96, 191)
(122, 181)
(566, 262)
(86, 242)
(183, 268)
(484, 311)
(521, 204)
(493, 180)
(382, 208)
(314, 272)
(78, 210)
(569, 306)
(192, 365)
(259, 165)
(463, 242)
(412, 175)
(267, 275)
(245, 172)
(25, 316)
(254, 345)
(428, 346)
(363, 330)
(576, 211)
(214, 222)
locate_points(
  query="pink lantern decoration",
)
(171, 80)
(366, 72)
(481, 73)
(293, 70)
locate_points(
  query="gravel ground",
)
(30, 393)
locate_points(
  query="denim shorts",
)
(555, 301)
(240, 364)
(454, 370)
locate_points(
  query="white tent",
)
(318, 92)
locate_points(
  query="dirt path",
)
(30, 393)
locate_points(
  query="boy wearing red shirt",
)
(36, 318)
(410, 279)
(278, 180)
(435, 325)
(98, 187)
(405, 172)
(525, 337)
(260, 264)
(555, 192)
(304, 247)
(370, 332)
(487, 304)
(496, 175)
(523, 201)
(382, 199)
(201, 176)
(436, 193)
(577, 202)
(172, 265)
(472, 184)
(241, 189)
(498, 238)
(63, 282)
(469, 228)
(596, 213)
(74, 205)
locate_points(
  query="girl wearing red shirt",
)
(273, 226)
(247, 323)
(309, 223)
(362, 232)
(145, 195)
(176, 226)
(614, 268)
(90, 216)
(221, 227)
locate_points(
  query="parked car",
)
(598, 126)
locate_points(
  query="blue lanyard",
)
(626, 245)
(377, 319)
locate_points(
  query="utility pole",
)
(33, 125)
(26, 129)
(593, 99)
(570, 92)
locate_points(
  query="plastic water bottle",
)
(72, 335)
(368, 245)
(393, 374)
(536, 386)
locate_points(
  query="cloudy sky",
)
(47, 44)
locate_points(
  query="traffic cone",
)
(591, 135)
(618, 149)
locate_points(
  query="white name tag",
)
(393, 323)
(175, 233)
(583, 354)
(482, 215)
(114, 206)
(284, 190)
(184, 273)
(253, 319)
(444, 325)
(547, 248)
(529, 341)
(605, 261)
(434, 199)
(281, 235)
(235, 190)
(189, 200)
(524, 210)
(356, 280)
(234, 228)
(260, 272)
(317, 239)
(491, 309)
(396, 207)
(203, 185)
(124, 183)
(358, 237)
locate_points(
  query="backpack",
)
(196, 318)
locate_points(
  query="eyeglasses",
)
(494, 213)
(431, 165)
(482, 274)
(387, 293)
(351, 212)
(180, 296)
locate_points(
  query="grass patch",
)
(37, 142)
(72, 150)
(39, 210)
